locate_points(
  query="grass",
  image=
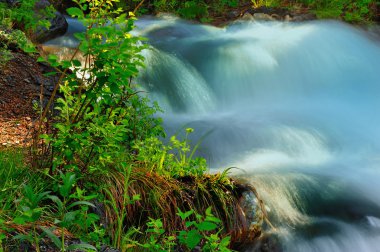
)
(159, 197)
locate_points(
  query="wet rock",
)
(262, 17)
(247, 17)
(58, 24)
(271, 11)
(304, 17)
(287, 18)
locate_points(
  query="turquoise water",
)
(295, 106)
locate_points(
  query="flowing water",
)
(295, 106)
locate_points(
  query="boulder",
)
(58, 24)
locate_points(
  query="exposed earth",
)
(21, 82)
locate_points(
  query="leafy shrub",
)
(100, 117)
(202, 232)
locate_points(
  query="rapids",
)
(295, 106)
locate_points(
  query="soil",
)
(21, 83)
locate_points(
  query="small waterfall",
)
(169, 79)
(295, 106)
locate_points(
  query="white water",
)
(295, 106)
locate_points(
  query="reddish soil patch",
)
(21, 82)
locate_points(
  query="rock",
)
(247, 17)
(304, 17)
(262, 17)
(280, 12)
(233, 14)
(276, 17)
(287, 18)
(58, 24)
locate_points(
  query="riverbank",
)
(105, 179)
(152, 173)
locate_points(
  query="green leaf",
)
(19, 220)
(57, 201)
(80, 203)
(212, 219)
(29, 49)
(189, 223)
(41, 59)
(57, 242)
(80, 36)
(193, 239)
(81, 246)
(77, 63)
(225, 242)
(206, 226)
(50, 74)
(75, 12)
(184, 215)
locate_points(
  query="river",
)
(294, 106)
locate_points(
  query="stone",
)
(304, 17)
(276, 16)
(247, 17)
(262, 17)
(58, 25)
(287, 18)
(233, 14)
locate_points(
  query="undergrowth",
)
(98, 173)
(353, 11)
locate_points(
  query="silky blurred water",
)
(295, 106)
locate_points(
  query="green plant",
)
(175, 159)
(119, 210)
(69, 213)
(14, 38)
(100, 116)
(201, 231)
(29, 212)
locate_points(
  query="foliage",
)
(348, 10)
(11, 38)
(189, 9)
(100, 116)
(71, 215)
(99, 144)
(175, 159)
(202, 232)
